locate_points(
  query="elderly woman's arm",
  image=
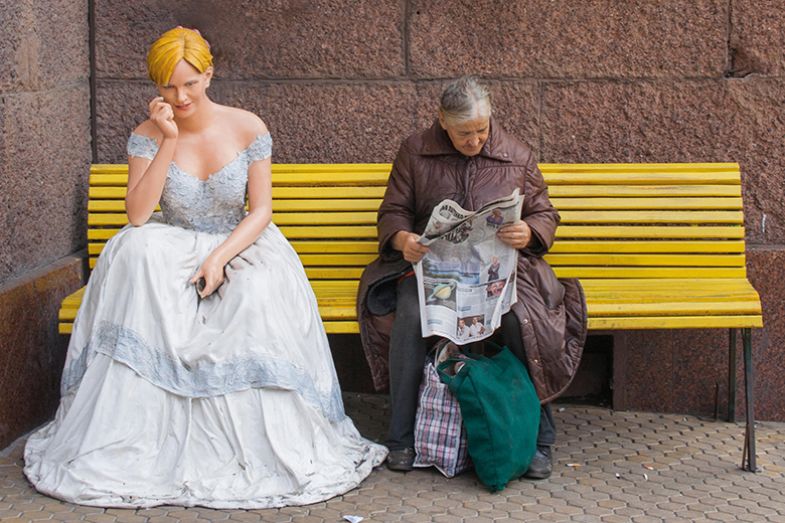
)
(396, 215)
(538, 212)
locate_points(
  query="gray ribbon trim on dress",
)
(205, 380)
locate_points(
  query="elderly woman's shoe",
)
(401, 460)
(541, 465)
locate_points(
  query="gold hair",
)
(175, 45)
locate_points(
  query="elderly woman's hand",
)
(408, 243)
(516, 235)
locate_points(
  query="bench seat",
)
(656, 246)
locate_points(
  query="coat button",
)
(505, 155)
(525, 322)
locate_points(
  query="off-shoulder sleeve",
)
(261, 148)
(142, 146)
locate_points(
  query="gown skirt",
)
(231, 401)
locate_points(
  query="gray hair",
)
(465, 99)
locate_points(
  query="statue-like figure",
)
(198, 371)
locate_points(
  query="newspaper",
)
(466, 281)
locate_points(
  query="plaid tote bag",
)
(439, 438)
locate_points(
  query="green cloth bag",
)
(501, 413)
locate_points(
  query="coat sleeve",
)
(397, 211)
(538, 212)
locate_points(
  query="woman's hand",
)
(408, 243)
(517, 235)
(162, 115)
(213, 273)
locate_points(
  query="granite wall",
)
(346, 80)
(44, 160)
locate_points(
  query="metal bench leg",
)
(749, 433)
(732, 376)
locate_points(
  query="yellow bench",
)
(656, 246)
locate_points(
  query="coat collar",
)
(436, 142)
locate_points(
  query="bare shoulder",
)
(247, 123)
(149, 130)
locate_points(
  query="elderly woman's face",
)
(468, 136)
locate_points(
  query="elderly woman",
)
(467, 157)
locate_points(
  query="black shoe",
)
(401, 460)
(541, 465)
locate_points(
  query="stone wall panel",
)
(568, 39)
(45, 46)
(253, 40)
(757, 38)
(46, 147)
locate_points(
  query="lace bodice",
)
(216, 204)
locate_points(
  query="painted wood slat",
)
(649, 272)
(676, 322)
(643, 191)
(719, 247)
(647, 246)
(291, 233)
(563, 204)
(650, 232)
(557, 192)
(647, 260)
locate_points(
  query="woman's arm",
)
(146, 178)
(260, 202)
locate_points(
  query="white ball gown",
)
(227, 402)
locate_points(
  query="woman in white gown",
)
(198, 371)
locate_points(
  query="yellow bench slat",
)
(563, 204)
(640, 167)
(658, 203)
(650, 246)
(720, 247)
(328, 218)
(118, 206)
(642, 232)
(568, 217)
(302, 247)
(118, 193)
(648, 260)
(642, 178)
(649, 272)
(643, 191)
(633, 216)
(676, 322)
(291, 232)
(730, 308)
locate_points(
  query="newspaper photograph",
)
(466, 281)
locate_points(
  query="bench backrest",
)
(618, 220)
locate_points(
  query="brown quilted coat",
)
(428, 169)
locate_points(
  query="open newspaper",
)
(466, 282)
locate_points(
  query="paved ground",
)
(610, 467)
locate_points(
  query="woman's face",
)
(186, 89)
(468, 136)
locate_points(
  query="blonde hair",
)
(175, 45)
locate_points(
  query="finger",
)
(199, 274)
(154, 101)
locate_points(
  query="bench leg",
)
(732, 376)
(748, 459)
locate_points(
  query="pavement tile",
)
(670, 468)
